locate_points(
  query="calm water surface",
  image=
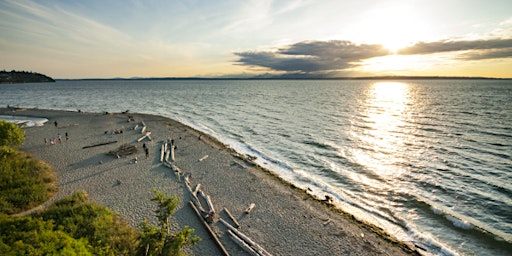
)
(430, 161)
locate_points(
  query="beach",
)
(284, 221)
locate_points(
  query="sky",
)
(68, 39)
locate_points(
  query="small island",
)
(14, 77)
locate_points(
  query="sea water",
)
(429, 161)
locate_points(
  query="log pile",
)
(123, 150)
(204, 208)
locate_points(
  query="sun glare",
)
(393, 27)
(385, 110)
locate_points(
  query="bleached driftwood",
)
(246, 239)
(145, 136)
(249, 209)
(198, 187)
(172, 153)
(143, 129)
(167, 155)
(211, 209)
(162, 153)
(194, 196)
(237, 225)
(203, 158)
(177, 171)
(242, 244)
(212, 233)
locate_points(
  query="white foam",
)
(24, 120)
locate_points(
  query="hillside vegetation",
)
(72, 225)
(14, 77)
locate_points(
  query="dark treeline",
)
(11, 77)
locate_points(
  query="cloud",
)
(475, 49)
(313, 56)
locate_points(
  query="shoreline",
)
(286, 220)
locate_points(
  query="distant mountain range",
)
(13, 77)
(299, 78)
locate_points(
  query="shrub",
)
(25, 182)
(159, 240)
(105, 231)
(10, 134)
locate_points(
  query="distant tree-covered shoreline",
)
(13, 77)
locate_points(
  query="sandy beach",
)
(284, 221)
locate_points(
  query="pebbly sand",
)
(284, 221)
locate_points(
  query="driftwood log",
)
(249, 208)
(235, 221)
(256, 247)
(212, 233)
(242, 244)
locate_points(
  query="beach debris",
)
(119, 182)
(162, 152)
(235, 221)
(212, 233)
(194, 196)
(145, 136)
(211, 209)
(256, 247)
(249, 208)
(177, 171)
(144, 127)
(203, 158)
(123, 150)
(100, 144)
(327, 222)
(242, 244)
(172, 153)
(251, 158)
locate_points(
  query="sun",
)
(393, 27)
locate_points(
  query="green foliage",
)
(105, 231)
(33, 236)
(10, 134)
(25, 182)
(159, 240)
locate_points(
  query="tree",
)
(159, 240)
(10, 134)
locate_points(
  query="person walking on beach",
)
(59, 137)
(55, 123)
(67, 136)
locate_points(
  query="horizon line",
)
(301, 78)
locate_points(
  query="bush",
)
(10, 134)
(25, 182)
(105, 231)
(33, 236)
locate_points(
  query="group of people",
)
(54, 140)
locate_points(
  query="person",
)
(67, 136)
(45, 141)
(59, 137)
(55, 123)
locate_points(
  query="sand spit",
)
(284, 220)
